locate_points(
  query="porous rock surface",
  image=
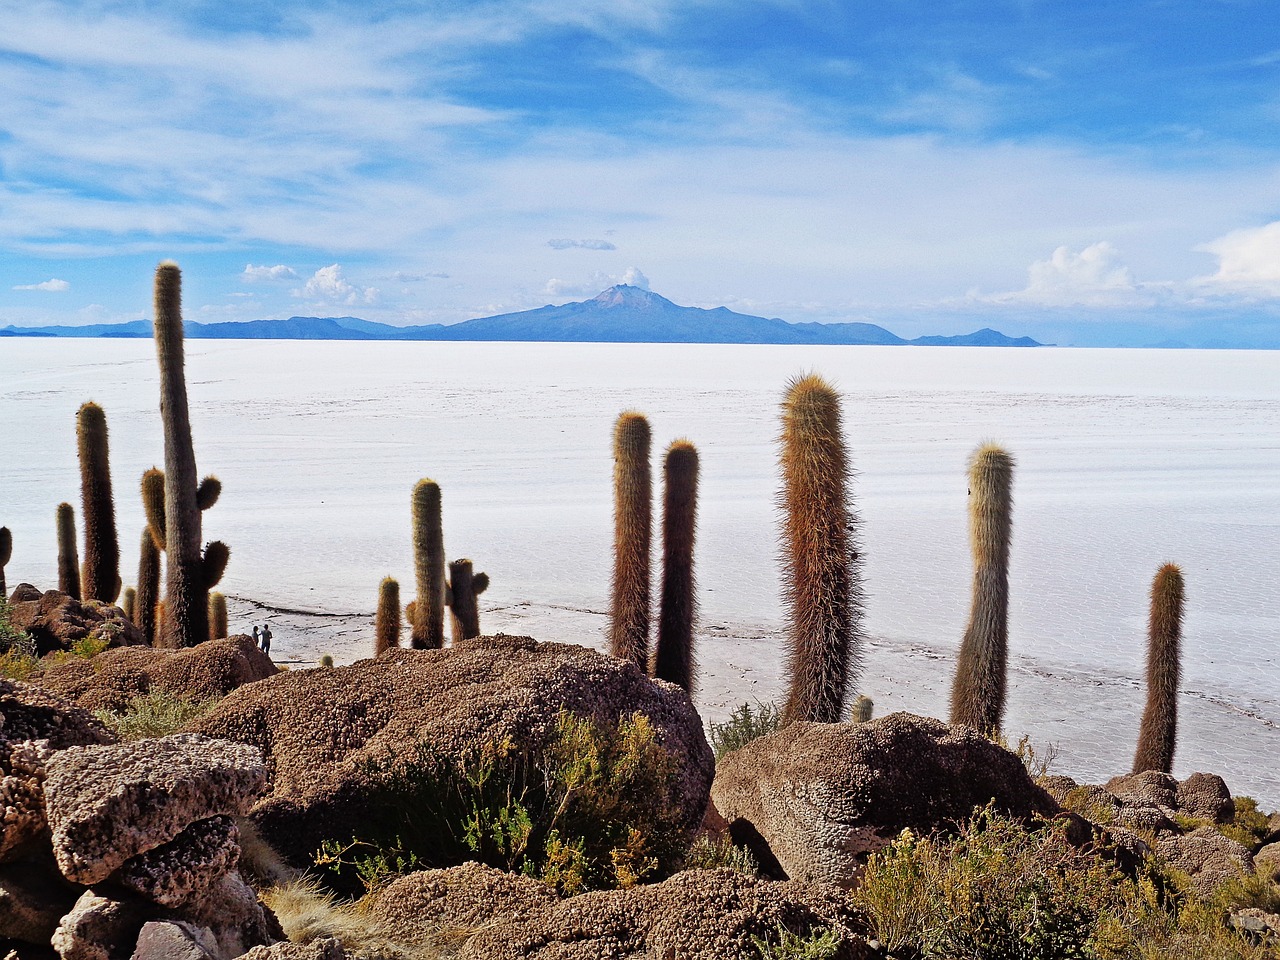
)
(1206, 856)
(696, 915)
(174, 940)
(112, 678)
(107, 804)
(467, 896)
(182, 869)
(56, 621)
(813, 799)
(321, 948)
(32, 713)
(33, 898)
(318, 729)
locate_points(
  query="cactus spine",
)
(823, 580)
(1159, 732)
(428, 565)
(674, 660)
(978, 691)
(68, 554)
(386, 622)
(217, 616)
(6, 552)
(461, 593)
(632, 532)
(148, 592)
(98, 510)
(190, 573)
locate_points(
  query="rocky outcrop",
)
(112, 678)
(177, 872)
(464, 897)
(56, 621)
(320, 730)
(1206, 856)
(812, 800)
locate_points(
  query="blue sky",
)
(1088, 173)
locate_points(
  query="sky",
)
(1086, 173)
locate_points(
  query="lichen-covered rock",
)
(1206, 796)
(1206, 856)
(467, 896)
(98, 927)
(56, 621)
(107, 804)
(318, 729)
(174, 940)
(812, 799)
(184, 868)
(33, 898)
(205, 671)
(1256, 921)
(697, 915)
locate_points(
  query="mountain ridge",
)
(620, 314)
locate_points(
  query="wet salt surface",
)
(1126, 459)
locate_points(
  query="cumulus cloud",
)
(53, 285)
(592, 285)
(1093, 277)
(635, 278)
(265, 274)
(1248, 260)
(565, 244)
(329, 285)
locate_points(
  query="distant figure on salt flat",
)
(266, 638)
(257, 641)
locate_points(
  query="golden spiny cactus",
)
(386, 623)
(68, 553)
(427, 630)
(217, 616)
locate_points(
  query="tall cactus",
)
(148, 591)
(674, 660)
(6, 553)
(98, 510)
(428, 565)
(461, 592)
(823, 587)
(153, 505)
(129, 604)
(1159, 733)
(217, 616)
(68, 553)
(978, 691)
(632, 533)
(386, 622)
(191, 573)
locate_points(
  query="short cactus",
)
(153, 505)
(101, 580)
(461, 592)
(1159, 734)
(386, 623)
(823, 581)
(217, 616)
(129, 603)
(148, 593)
(978, 691)
(674, 659)
(68, 554)
(6, 554)
(427, 630)
(863, 707)
(632, 532)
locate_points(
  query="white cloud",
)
(594, 284)
(1248, 260)
(1094, 277)
(403, 277)
(49, 286)
(329, 285)
(635, 278)
(254, 274)
(564, 244)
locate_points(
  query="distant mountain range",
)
(621, 314)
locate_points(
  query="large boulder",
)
(56, 621)
(320, 730)
(112, 678)
(107, 804)
(1207, 857)
(464, 897)
(813, 799)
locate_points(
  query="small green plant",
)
(745, 723)
(1250, 825)
(154, 714)
(18, 659)
(720, 853)
(820, 944)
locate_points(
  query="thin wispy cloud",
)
(52, 285)
(564, 244)
(266, 274)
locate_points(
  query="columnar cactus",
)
(674, 660)
(6, 553)
(129, 604)
(1159, 733)
(217, 616)
(148, 593)
(153, 505)
(386, 622)
(863, 707)
(461, 592)
(978, 691)
(68, 553)
(427, 632)
(632, 533)
(190, 572)
(101, 579)
(823, 587)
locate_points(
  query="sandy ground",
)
(1088, 721)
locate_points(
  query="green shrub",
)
(1250, 825)
(590, 810)
(745, 723)
(816, 945)
(154, 714)
(720, 853)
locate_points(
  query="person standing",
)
(257, 640)
(266, 638)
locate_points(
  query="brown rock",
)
(33, 898)
(98, 928)
(1256, 921)
(322, 948)
(184, 868)
(107, 804)
(112, 678)
(319, 729)
(1148, 789)
(1205, 795)
(471, 895)
(812, 799)
(696, 915)
(56, 621)
(174, 940)
(31, 713)
(1207, 857)
(1268, 856)
(232, 911)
